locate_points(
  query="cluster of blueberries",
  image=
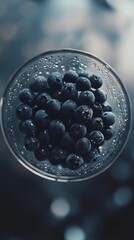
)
(65, 118)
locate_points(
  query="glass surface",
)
(62, 61)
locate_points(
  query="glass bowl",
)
(62, 61)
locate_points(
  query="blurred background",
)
(101, 208)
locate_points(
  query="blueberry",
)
(27, 127)
(96, 137)
(67, 141)
(108, 133)
(31, 143)
(97, 109)
(74, 161)
(96, 123)
(86, 98)
(41, 119)
(57, 95)
(26, 96)
(92, 155)
(58, 155)
(55, 81)
(83, 114)
(78, 130)
(69, 91)
(70, 76)
(41, 99)
(108, 118)
(96, 81)
(100, 96)
(39, 84)
(84, 74)
(53, 106)
(68, 108)
(44, 138)
(107, 107)
(83, 145)
(57, 127)
(83, 84)
(41, 154)
(23, 111)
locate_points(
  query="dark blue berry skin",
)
(97, 110)
(44, 138)
(78, 130)
(108, 118)
(83, 84)
(39, 84)
(108, 133)
(57, 128)
(70, 76)
(96, 123)
(31, 143)
(96, 137)
(26, 96)
(74, 161)
(96, 81)
(92, 155)
(58, 156)
(41, 119)
(68, 108)
(69, 91)
(107, 108)
(100, 96)
(27, 127)
(41, 154)
(67, 141)
(55, 81)
(53, 106)
(83, 74)
(86, 98)
(41, 99)
(83, 145)
(57, 95)
(83, 114)
(23, 111)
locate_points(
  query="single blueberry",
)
(107, 107)
(108, 118)
(57, 127)
(83, 74)
(100, 96)
(41, 119)
(70, 76)
(44, 138)
(67, 141)
(97, 109)
(96, 137)
(83, 84)
(74, 161)
(86, 98)
(27, 127)
(41, 154)
(83, 114)
(41, 99)
(96, 123)
(78, 130)
(96, 81)
(31, 143)
(53, 106)
(92, 155)
(26, 96)
(58, 155)
(83, 145)
(23, 111)
(108, 133)
(39, 84)
(69, 91)
(55, 81)
(68, 108)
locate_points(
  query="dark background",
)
(101, 208)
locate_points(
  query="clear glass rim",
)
(29, 166)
